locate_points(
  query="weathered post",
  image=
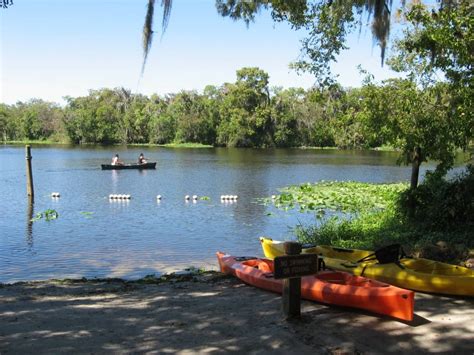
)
(290, 268)
(292, 286)
(29, 176)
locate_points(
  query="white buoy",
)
(195, 197)
(186, 197)
(236, 197)
(128, 197)
(55, 194)
(273, 197)
(158, 197)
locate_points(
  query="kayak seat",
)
(386, 255)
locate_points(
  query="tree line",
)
(248, 113)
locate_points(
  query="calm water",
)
(94, 237)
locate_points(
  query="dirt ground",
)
(213, 313)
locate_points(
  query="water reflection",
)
(249, 214)
(115, 177)
(29, 223)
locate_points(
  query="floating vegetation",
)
(205, 198)
(87, 214)
(346, 197)
(47, 215)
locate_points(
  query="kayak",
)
(129, 166)
(330, 287)
(412, 273)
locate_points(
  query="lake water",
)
(97, 237)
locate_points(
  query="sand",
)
(213, 313)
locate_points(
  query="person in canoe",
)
(142, 159)
(116, 160)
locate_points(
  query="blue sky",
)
(54, 48)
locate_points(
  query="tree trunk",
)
(415, 167)
(415, 172)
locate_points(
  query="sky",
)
(50, 49)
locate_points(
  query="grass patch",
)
(36, 142)
(186, 145)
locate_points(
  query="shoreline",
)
(185, 145)
(209, 312)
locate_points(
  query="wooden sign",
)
(289, 266)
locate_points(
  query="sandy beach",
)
(213, 313)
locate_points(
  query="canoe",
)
(330, 287)
(129, 166)
(412, 273)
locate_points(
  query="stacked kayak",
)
(412, 273)
(330, 287)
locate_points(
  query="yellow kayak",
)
(412, 273)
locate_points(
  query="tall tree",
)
(438, 45)
(245, 111)
(413, 120)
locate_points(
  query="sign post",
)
(290, 268)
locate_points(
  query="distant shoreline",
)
(182, 145)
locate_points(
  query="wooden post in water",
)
(292, 286)
(29, 175)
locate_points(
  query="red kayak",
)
(330, 287)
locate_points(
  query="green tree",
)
(440, 43)
(96, 118)
(287, 110)
(5, 117)
(245, 111)
(136, 120)
(162, 126)
(192, 121)
(412, 120)
(34, 120)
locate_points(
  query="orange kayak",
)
(330, 287)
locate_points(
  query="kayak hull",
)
(412, 273)
(129, 166)
(329, 287)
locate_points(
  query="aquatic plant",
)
(347, 197)
(48, 215)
